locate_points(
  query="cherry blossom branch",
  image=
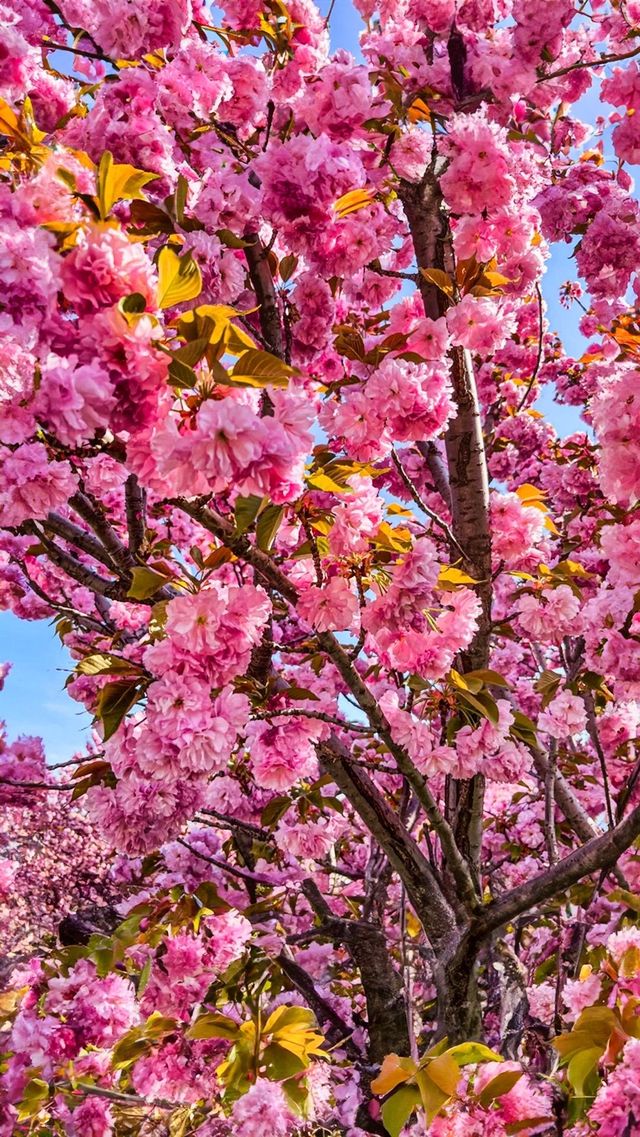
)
(35, 785)
(597, 855)
(375, 266)
(467, 469)
(263, 286)
(74, 568)
(233, 870)
(90, 1090)
(581, 63)
(236, 823)
(80, 618)
(93, 513)
(322, 1007)
(263, 563)
(404, 854)
(425, 508)
(292, 712)
(592, 730)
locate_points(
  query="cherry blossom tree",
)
(358, 628)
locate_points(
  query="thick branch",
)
(262, 281)
(135, 509)
(74, 569)
(598, 855)
(369, 948)
(467, 470)
(412, 867)
(92, 512)
(76, 536)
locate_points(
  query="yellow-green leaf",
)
(445, 1072)
(582, 1071)
(119, 182)
(257, 368)
(34, 1096)
(104, 663)
(145, 582)
(441, 279)
(432, 1097)
(212, 1025)
(449, 575)
(397, 1110)
(468, 1053)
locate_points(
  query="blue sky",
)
(34, 700)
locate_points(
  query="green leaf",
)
(180, 374)
(397, 1109)
(482, 703)
(489, 677)
(133, 304)
(523, 727)
(132, 1046)
(268, 525)
(180, 198)
(623, 896)
(245, 512)
(34, 1096)
(582, 1071)
(498, 1086)
(178, 278)
(257, 368)
(113, 702)
(144, 977)
(228, 238)
(145, 582)
(276, 809)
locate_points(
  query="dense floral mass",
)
(354, 846)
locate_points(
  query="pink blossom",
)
(564, 716)
(329, 607)
(282, 752)
(104, 267)
(478, 324)
(31, 486)
(550, 615)
(74, 401)
(262, 1109)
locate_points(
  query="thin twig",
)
(293, 712)
(536, 369)
(425, 508)
(589, 63)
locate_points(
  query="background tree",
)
(358, 629)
